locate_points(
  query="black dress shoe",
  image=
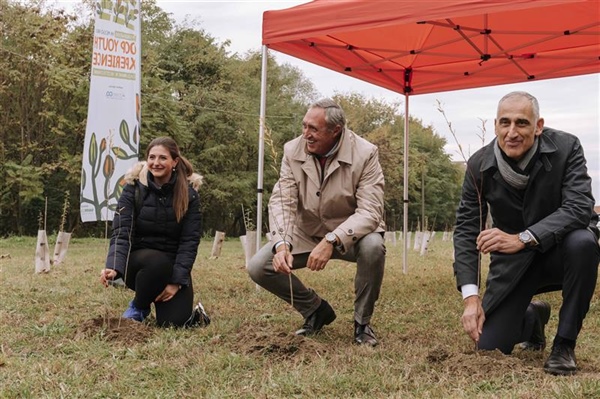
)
(364, 335)
(561, 361)
(537, 342)
(321, 317)
(199, 317)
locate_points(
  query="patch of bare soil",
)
(280, 345)
(115, 329)
(483, 364)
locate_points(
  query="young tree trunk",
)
(418, 239)
(425, 242)
(390, 236)
(61, 246)
(42, 253)
(250, 247)
(217, 245)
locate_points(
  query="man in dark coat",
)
(534, 182)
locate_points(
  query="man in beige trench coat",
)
(327, 204)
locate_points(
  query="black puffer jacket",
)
(155, 226)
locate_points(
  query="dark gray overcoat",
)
(557, 200)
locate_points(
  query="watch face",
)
(525, 237)
(330, 237)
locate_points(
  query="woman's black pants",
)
(148, 273)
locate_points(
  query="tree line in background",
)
(196, 91)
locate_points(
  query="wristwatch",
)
(527, 238)
(331, 238)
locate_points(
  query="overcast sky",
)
(569, 104)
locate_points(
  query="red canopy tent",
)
(418, 47)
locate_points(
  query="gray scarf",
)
(515, 179)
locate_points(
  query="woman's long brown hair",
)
(184, 169)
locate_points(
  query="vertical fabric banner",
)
(113, 122)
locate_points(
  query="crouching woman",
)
(155, 236)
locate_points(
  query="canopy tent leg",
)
(261, 147)
(405, 189)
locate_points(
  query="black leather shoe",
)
(561, 361)
(321, 317)
(537, 342)
(364, 335)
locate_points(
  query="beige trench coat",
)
(349, 202)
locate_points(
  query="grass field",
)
(60, 337)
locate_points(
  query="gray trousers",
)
(369, 255)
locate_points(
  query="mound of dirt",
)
(481, 364)
(115, 329)
(278, 345)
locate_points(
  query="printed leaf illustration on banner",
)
(113, 123)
